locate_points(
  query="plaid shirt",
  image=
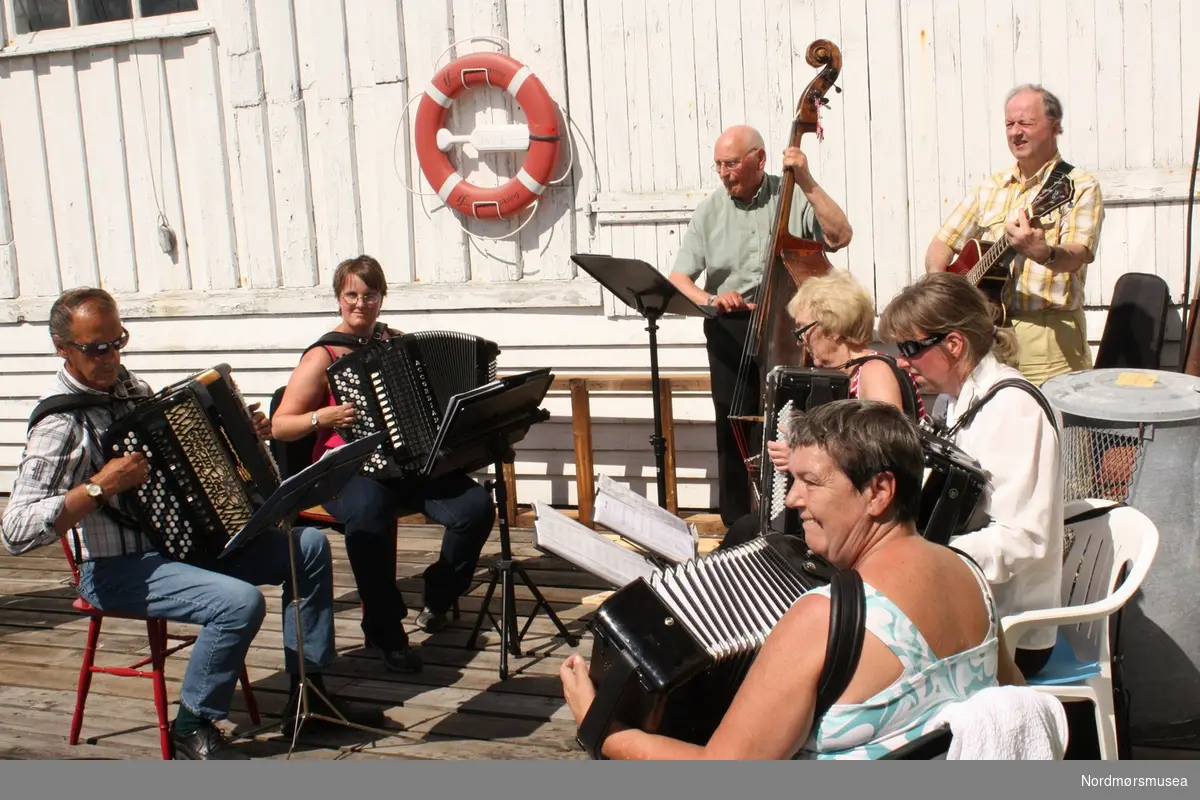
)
(984, 211)
(62, 452)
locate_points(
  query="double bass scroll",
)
(789, 260)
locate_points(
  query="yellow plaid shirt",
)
(984, 211)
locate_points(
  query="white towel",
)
(1006, 723)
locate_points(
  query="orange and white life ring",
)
(503, 72)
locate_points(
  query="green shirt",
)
(727, 238)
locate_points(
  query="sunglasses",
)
(912, 349)
(100, 348)
(803, 330)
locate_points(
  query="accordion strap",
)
(847, 628)
(1015, 383)
(335, 339)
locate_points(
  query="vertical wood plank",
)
(509, 477)
(379, 93)
(668, 429)
(1110, 125)
(8, 259)
(921, 80)
(152, 164)
(582, 98)
(1080, 116)
(888, 124)
(660, 83)
(830, 165)
(325, 87)
(982, 114)
(1055, 57)
(950, 89)
(709, 122)
(1029, 44)
(754, 76)
(637, 85)
(1189, 78)
(537, 39)
(857, 100)
(780, 99)
(730, 59)
(67, 169)
(287, 136)
(32, 216)
(192, 78)
(998, 47)
(439, 243)
(108, 179)
(1140, 125)
(585, 469)
(1167, 59)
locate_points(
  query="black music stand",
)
(647, 291)
(479, 430)
(312, 486)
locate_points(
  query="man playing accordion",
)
(66, 487)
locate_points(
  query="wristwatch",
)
(95, 492)
(1050, 259)
(313, 420)
(712, 298)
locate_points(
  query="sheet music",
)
(586, 549)
(626, 512)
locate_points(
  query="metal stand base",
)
(504, 571)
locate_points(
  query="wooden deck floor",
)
(456, 708)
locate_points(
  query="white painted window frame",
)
(100, 34)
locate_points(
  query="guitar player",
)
(1047, 256)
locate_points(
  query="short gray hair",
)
(62, 313)
(866, 438)
(1050, 101)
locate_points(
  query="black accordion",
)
(790, 389)
(669, 654)
(403, 386)
(954, 484)
(209, 471)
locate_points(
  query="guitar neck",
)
(989, 259)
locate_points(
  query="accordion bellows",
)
(402, 386)
(209, 472)
(674, 650)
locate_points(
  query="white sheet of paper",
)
(557, 533)
(626, 512)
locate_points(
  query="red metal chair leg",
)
(85, 678)
(157, 630)
(248, 694)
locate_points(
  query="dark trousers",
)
(725, 336)
(367, 510)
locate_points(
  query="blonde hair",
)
(839, 304)
(943, 301)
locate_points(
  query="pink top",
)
(916, 388)
(327, 438)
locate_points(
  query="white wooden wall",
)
(272, 135)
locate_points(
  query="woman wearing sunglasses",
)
(942, 326)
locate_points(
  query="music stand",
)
(313, 486)
(482, 429)
(646, 290)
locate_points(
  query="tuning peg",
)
(825, 101)
(837, 88)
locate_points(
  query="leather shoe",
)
(206, 743)
(404, 659)
(371, 717)
(431, 621)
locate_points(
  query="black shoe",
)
(431, 621)
(206, 743)
(404, 659)
(371, 717)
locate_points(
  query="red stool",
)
(156, 630)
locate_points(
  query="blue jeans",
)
(367, 510)
(226, 604)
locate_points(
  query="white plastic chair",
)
(1080, 667)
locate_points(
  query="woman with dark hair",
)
(367, 508)
(943, 328)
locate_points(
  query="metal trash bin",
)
(1133, 435)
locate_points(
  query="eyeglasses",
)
(370, 298)
(95, 349)
(728, 166)
(803, 330)
(912, 349)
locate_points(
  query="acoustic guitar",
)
(988, 265)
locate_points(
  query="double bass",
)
(789, 261)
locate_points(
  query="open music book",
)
(646, 524)
(557, 533)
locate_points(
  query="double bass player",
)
(727, 240)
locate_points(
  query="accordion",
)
(209, 471)
(790, 389)
(403, 386)
(954, 484)
(670, 653)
